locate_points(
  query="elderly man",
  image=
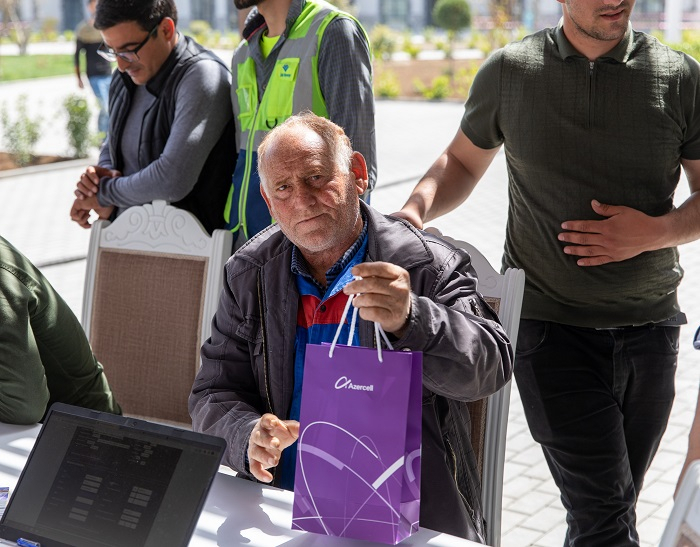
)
(288, 285)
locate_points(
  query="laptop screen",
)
(111, 481)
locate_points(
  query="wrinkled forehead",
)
(297, 138)
(297, 145)
(294, 151)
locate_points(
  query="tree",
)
(18, 29)
(453, 16)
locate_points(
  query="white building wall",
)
(47, 8)
(220, 18)
(368, 12)
(417, 11)
(221, 15)
(184, 13)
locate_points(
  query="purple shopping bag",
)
(358, 454)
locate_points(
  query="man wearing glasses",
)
(171, 128)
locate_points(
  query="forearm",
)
(444, 187)
(235, 425)
(682, 225)
(450, 180)
(684, 222)
(465, 357)
(23, 390)
(225, 404)
(466, 353)
(169, 179)
(202, 111)
(225, 399)
(79, 46)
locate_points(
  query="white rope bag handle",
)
(378, 330)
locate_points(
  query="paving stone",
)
(520, 537)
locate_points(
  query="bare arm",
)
(627, 232)
(76, 61)
(684, 222)
(448, 182)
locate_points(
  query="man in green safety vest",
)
(296, 55)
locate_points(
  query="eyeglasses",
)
(129, 55)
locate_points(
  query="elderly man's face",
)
(315, 202)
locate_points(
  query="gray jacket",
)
(247, 364)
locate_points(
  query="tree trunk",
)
(22, 29)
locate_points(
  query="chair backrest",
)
(683, 525)
(151, 288)
(489, 416)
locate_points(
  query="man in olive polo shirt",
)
(597, 121)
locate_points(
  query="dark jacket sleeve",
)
(466, 353)
(44, 354)
(225, 399)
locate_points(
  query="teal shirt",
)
(44, 354)
(614, 130)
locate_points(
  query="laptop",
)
(98, 480)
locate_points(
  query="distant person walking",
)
(98, 70)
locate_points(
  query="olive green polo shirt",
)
(614, 130)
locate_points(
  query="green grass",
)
(34, 66)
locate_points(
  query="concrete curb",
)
(47, 167)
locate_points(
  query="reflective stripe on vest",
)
(292, 88)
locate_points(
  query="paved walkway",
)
(34, 216)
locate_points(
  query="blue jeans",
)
(598, 402)
(100, 86)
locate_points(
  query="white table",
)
(236, 512)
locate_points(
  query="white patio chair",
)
(504, 292)
(683, 525)
(151, 289)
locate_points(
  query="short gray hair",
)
(336, 141)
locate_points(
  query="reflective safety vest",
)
(292, 88)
